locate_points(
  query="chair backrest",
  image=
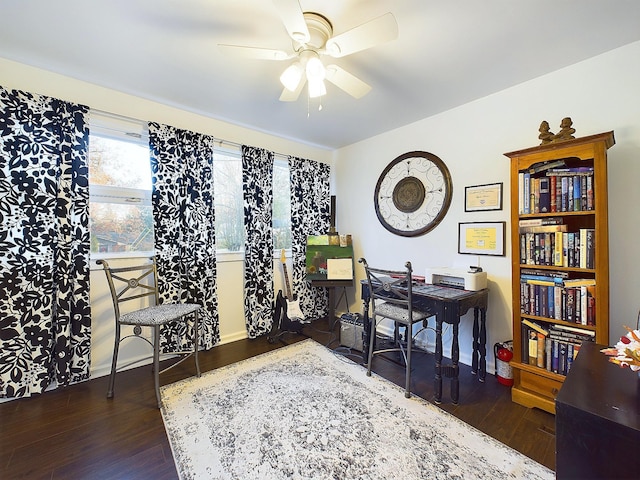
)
(131, 282)
(392, 286)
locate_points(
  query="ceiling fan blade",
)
(347, 82)
(293, 19)
(255, 52)
(291, 96)
(367, 35)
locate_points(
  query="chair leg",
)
(196, 342)
(407, 388)
(372, 337)
(156, 362)
(114, 362)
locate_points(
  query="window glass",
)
(229, 203)
(281, 206)
(120, 190)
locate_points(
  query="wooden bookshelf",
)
(536, 386)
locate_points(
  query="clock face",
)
(413, 194)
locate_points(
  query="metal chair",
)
(392, 289)
(136, 282)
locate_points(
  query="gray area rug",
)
(302, 412)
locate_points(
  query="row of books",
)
(553, 245)
(552, 347)
(556, 190)
(572, 301)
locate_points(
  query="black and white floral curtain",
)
(257, 187)
(45, 314)
(184, 228)
(310, 215)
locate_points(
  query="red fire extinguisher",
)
(503, 354)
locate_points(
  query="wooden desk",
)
(448, 305)
(597, 419)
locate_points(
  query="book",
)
(544, 228)
(557, 249)
(535, 326)
(526, 194)
(546, 165)
(540, 358)
(548, 353)
(525, 342)
(533, 347)
(583, 250)
(547, 273)
(562, 358)
(535, 222)
(591, 305)
(568, 328)
(578, 282)
(590, 245)
(544, 195)
(569, 171)
(577, 195)
(570, 315)
(520, 193)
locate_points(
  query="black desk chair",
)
(139, 281)
(393, 290)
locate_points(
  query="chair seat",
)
(399, 313)
(158, 314)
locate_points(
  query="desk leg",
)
(482, 346)
(476, 343)
(366, 332)
(438, 380)
(455, 357)
(332, 307)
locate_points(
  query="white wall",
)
(600, 94)
(230, 268)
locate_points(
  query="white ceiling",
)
(449, 52)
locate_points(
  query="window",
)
(229, 203)
(121, 214)
(120, 191)
(281, 206)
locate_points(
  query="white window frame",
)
(115, 127)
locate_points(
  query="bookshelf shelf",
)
(559, 238)
(557, 214)
(557, 322)
(542, 373)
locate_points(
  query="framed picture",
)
(483, 197)
(481, 238)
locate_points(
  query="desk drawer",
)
(539, 384)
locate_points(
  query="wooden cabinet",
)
(544, 261)
(597, 419)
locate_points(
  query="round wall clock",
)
(413, 194)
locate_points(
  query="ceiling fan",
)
(312, 35)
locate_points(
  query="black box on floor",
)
(351, 328)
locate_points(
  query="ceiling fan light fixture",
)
(317, 88)
(315, 69)
(291, 77)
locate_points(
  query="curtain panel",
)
(184, 227)
(310, 215)
(45, 313)
(257, 187)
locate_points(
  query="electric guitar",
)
(292, 310)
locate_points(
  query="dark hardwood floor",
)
(77, 433)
